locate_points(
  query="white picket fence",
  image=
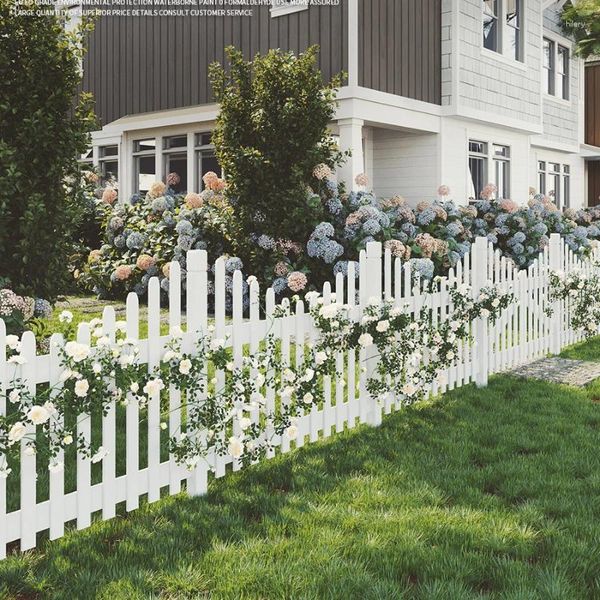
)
(523, 333)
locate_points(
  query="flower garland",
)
(583, 291)
(250, 402)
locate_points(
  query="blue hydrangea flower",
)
(453, 229)
(371, 227)
(323, 230)
(266, 242)
(234, 264)
(279, 285)
(115, 223)
(135, 198)
(159, 205)
(334, 205)
(185, 242)
(136, 241)
(42, 308)
(184, 227)
(423, 267)
(119, 241)
(518, 248)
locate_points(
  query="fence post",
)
(479, 267)
(371, 292)
(555, 264)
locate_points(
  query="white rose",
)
(450, 355)
(101, 454)
(308, 375)
(217, 344)
(103, 341)
(66, 316)
(320, 357)
(496, 302)
(382, 326)
(308, 398)
(12, 341)
(68, 439)
(366, 339)
(55, 467)
(245, 422)
(236, 447)
(77, 351)
(185, 366)
(153, 387)
(485, 313)
(311, 296)
(81, 388)
(126, 359)
(97, 368)
(135, 387)
(17, 359)
(14, 396)
(16, 433)
(329, 311)
(38, 415)
(289, 375)
(292, 432)
(408, 389)
(169, 355)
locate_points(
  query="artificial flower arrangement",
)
(235, 415)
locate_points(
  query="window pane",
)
(502, 173)
(563, 71)
(109, 170)
(144, 145)
(490, 24)
(513, 21)
(207, 161)
(145, 169)
(567, 169)
(203, 139)
(513, 13)
(549, 66)
(177, 141)
(567, 191)
(477, 147)
(109, 151)
(477, 167)
(501, 151)
(177, 163)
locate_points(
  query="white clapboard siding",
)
(522, 333)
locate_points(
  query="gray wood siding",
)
(143, 64)
(399, 47)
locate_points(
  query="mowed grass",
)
(489, 493)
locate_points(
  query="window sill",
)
(510, 62)
(279, 11)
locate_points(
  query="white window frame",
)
(503, 51)
(281, 7)
(558, 41)
(490, 161)
(562, 192)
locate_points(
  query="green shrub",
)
(42, 132)
(271, 131)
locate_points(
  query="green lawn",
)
(489, 493)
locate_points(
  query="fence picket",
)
(3, 460)
(174, 394)
(153, 410)
(84, 467)
(132, 410)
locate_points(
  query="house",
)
(461, 92)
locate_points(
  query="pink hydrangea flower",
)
(322, 171)
(166, 270)
(509, 205)
(145, 261)
(157, 189)
(488, 191)
(123, 272)
(281, 269)
(362, 180)
(443, 190)
(109, 195)
(397, 248)
(94, 256)
(297, 281)
(193, 200)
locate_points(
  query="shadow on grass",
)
(481, 493)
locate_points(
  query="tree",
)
(272, 130)
(581, 20)
(44, 127)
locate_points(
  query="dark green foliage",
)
(271, 132)
(42, 132)
(581, 20)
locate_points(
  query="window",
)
(478, 166)
(513, 28)
(206, 159)
(542, 177)
(175, 161)
(144, 158)
(554, 181)
(285, 7)
(108, 163)
(501, 157)
(549, 68)
(556, 69)
(490, 25)
(562, 73)
(502, 27)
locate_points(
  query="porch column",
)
(351, 139)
